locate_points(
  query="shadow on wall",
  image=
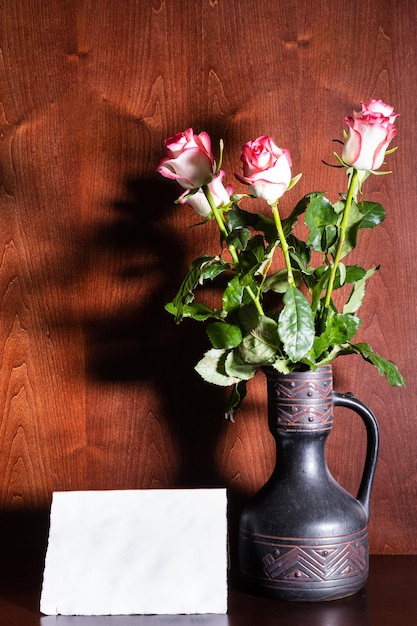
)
(140, 341)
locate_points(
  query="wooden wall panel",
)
(97, 388)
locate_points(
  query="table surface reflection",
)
(389, 599)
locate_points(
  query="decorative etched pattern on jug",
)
(300, 402)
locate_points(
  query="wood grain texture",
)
(97, 388)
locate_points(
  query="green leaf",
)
(352, 228)
(322, 273)
(212, 268)
(248, 317)
(253, 255)
(336, 351)
(212, 369)
(238, 222)
(329, 235)
(251, 259)
(289, 222)
(354, 273)
(264, 267)
(339, 329)
(235, 400)
(296, 325)
(358, 292)
(341, 271)
(190, 281)
(205, 267)
(197, 311)
(233, 295)
(321, 219)
(239, 238)
(383, 365)
(278, 282)
(237, 218)
(300, 253)
(267, 226)
(340, 205)
(223, 335)
(373, 214)
(344, 274)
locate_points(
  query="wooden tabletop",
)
(389, 599)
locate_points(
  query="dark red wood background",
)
(97, 388)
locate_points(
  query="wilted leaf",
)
(283, 366)
(211, 368)
(235, 366)
(261, 343)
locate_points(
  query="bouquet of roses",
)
(305, 329)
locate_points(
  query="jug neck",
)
(300, 401)
(301, 454)
(300, 417)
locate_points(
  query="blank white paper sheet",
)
(136, 552)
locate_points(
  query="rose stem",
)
(222, 226)
(342, 237)
(284, 244)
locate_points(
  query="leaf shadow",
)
(140, 341)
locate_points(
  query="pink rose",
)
(220, 194)
(189, 159)
(370, 132)
(266, 169)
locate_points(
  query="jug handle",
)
(349, 401)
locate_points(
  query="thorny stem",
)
(233, 253)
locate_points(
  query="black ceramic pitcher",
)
(303, 536)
